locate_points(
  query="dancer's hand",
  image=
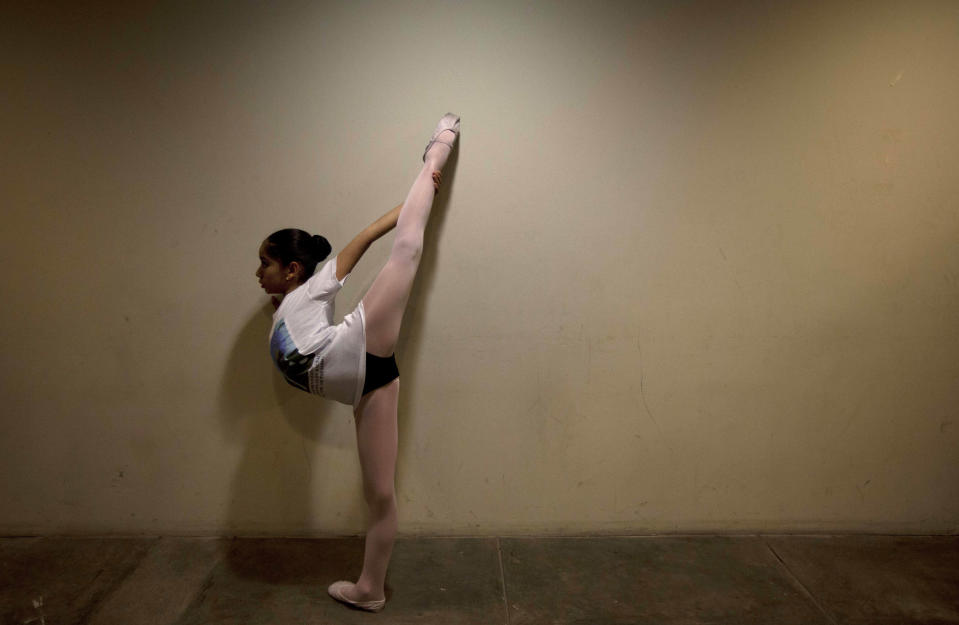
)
(437, 179)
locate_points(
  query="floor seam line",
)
(802, 586)
(196, 600)
(502, 577)
(103, 598)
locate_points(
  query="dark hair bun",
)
(322, 247)
(292, 244)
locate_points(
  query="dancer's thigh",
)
(384, 304)
(376, 439)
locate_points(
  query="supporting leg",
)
(376, 438)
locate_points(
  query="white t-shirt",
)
(312, 353)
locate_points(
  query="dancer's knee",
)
(408, 248)
(381, 500)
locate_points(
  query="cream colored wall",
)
(695, 267)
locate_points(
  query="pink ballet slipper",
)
(449, 122)
(337, 589)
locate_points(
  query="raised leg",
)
(386, 300)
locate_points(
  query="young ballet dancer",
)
(353, 362)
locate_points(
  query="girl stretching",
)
(353, 362)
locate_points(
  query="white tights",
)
(376, 425)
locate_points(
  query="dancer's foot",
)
(445, 134)
(343, 592)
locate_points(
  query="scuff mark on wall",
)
(589, 360)
(642, 393)
(642, 388)
(895, 81)
(723, 253)
(306, 456)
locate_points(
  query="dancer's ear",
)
(294, 271)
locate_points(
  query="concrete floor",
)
(778, 580)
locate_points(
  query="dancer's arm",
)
(351, 254)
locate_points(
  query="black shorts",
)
(379, 372)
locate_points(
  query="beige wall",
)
(695, 266)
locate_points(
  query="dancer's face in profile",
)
(272, 274)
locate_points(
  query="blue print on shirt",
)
(294, 366)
